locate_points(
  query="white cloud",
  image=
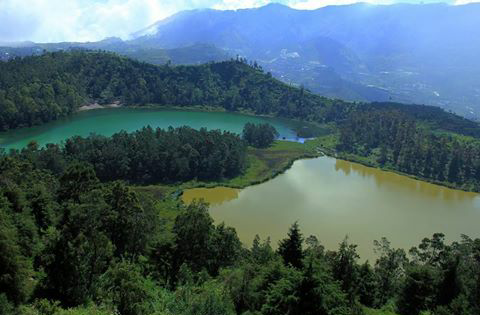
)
(240, 4)
(460, 2)
(91, 20)
(77, 20)
(315, 4)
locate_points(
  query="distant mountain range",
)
(424, 54)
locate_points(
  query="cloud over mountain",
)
(90, 20)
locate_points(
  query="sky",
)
(92, 20)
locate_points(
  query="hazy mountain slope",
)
(418, 53)
(194, 54)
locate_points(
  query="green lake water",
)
(108, 121)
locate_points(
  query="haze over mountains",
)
(425, 54)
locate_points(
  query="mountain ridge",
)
(409, 53)
(401, 47)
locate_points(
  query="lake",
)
(333, 198)
(108, 121)
(329, 198)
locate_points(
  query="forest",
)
(72, 242)
(79, 235)
(147, 155)
(37, 89)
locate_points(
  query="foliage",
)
(75, 240)
(37, 89)
(124, 287)
(144, 156)
(419, 140)
(396, 141)
(259, 136)
(105, 248)
(291, 248)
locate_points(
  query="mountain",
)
(194, 54)
(410, 53)
(423, 54)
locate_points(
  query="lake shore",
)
(98, 106)
(263, 165)
(266, 165)
(327, 145)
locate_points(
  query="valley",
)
(255, 161)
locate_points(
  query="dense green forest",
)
(38, 89)
(75, 243)
(153, 156)
(259, 136)
(77, 237)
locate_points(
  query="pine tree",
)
(290, 248)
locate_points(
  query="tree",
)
(344, 269)
(193, 230)
(450, 285)
(78, 179)
(124, 287)
(227, 247)
(389, 268)
(367, 285)
(311, 291)
(417, 293)
(290, 248)
(262, 253)
(77, 254)
(14, 267)
(259, 136)
(129, 225)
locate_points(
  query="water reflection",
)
(332, 198)
(214, 196)
(392, 181)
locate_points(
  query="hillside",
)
(194, 54)
(38, 89)
(403, 52)
(423, 53)
(75, 243)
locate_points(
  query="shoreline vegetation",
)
(279, 157)
(266, 164)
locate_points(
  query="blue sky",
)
(91, 20)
